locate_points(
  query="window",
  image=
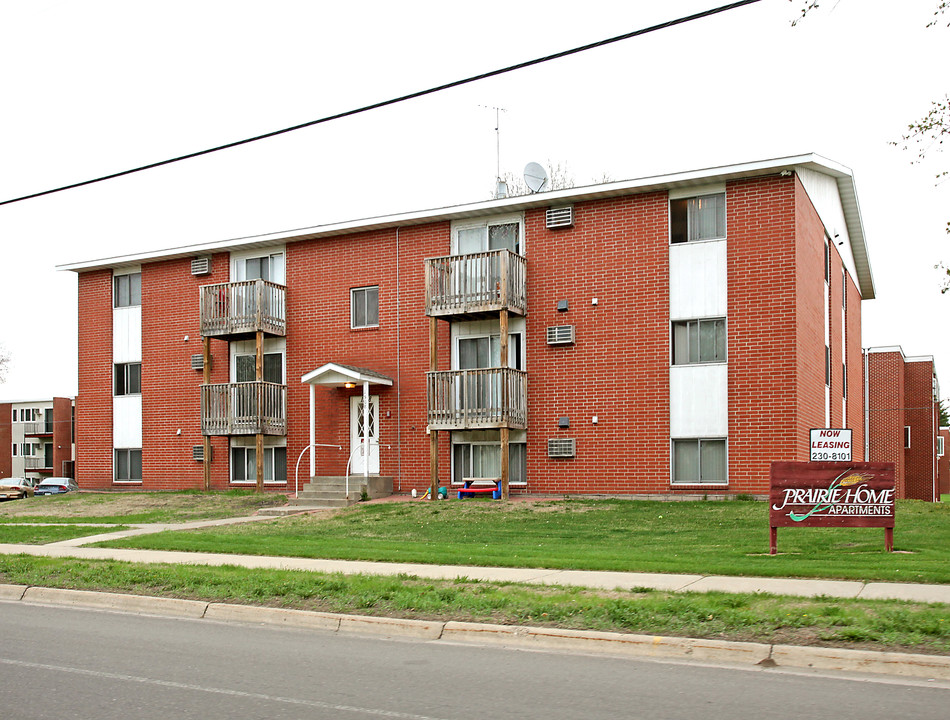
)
(128, 379)
(699, 461)
(244, 464)
(907, 436)
(26, 414)
(482, 461)
(698, 218)
(14, 449)
(26, 449)
(827, 261)
(699, 341)
(245, 368)
(128, 290)
(264, 267)
(364, 307)
(499, 234)
(939, 446)
(128, 464)
(485, 352)
(827, 366)
(844, 380)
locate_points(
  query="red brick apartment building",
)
(668, 335)
(903, 417)
(943, 461)
(37, 438)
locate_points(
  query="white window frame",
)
(125, 372)
(115, 466)
(699, 321)
(907, 437)
(487, 481)
(239, 263)
(268, 464)
(353, 306)
(456, 359)
(940, 446)
(128, 276)
(486, 222)
(699, 194)
(698, 483)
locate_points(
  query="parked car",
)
(55, 486)
(15, 488)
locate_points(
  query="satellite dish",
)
(535, 176)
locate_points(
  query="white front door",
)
(363, 461)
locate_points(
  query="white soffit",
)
(670, 182)
(337, 375)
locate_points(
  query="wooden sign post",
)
(831, 494)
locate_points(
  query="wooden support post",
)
(206, 379)
(505, 400)
(773, 540)
(259, 375)
(889, 539)
(433, 434)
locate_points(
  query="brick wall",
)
(920, 413)
(6, 440)
(62, 433)
(94, 401)
(943, 463)
(886, 412)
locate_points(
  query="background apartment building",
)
(37, 438)
(903, 417)
(667, 335)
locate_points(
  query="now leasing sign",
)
(830, 445)
(832, 494)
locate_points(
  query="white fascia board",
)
(886, 349)
(703, 176)
(920, 358)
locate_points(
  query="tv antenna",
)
(499, 191)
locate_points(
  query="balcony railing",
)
(476, 283)
(249, 408)
(472, 399)
(37, 463)
(243, 307)
(38, 428)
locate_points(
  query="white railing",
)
(485, 398)
(346, 486)
(248, 408)
(478, 282)
(300, 457)
(246, 306)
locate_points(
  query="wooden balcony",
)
(242, 308)
(248, 408)
(477, 399)
(476, 285)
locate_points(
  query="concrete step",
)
(336, 502)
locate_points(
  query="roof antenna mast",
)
(501, 187)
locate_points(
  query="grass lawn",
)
(42, 534)
(716, 537)
(133, 507)
(871, 624)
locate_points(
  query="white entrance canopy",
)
(337, 375)
(343, 376)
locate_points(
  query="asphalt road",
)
(63, 663)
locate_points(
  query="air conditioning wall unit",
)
(198, 453)
(561, 448)
(201, 265)
(561, 217)
(198, 361)
(561, 335)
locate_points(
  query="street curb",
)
(172, 607)
(936, 667)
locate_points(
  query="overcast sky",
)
(96, 87)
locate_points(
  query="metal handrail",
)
(300, 457)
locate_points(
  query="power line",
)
(393, 101)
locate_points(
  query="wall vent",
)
(561, 447)
(560, 335)
(201, 265)
(198, 361)
(560, 217)
(198, 453)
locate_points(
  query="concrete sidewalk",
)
(585, 578)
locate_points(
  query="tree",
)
(927, 134)
(944, 414)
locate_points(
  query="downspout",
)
(398, 378)
(867, 411)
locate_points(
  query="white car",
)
(55, 486)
